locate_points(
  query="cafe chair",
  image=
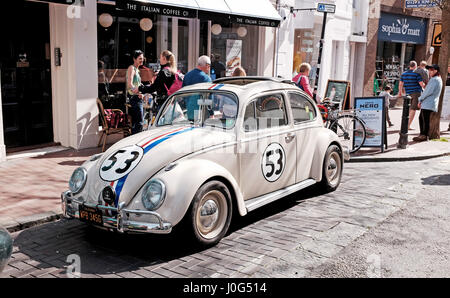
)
(107, 129)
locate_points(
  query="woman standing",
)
(164, 79)
(133, 81)
(428, 101)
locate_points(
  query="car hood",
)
(158, 147)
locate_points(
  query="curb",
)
(393, 159)
(31, 221)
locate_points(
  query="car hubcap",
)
(334, 168)
(211, 214)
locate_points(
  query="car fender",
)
(183, 181)
(325, 138)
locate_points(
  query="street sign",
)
(420, 3)
(324, 7)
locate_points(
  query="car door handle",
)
(289, 137)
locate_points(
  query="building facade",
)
(50, 72)
(344, 43)
(397, 35)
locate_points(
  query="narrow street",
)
(385, 220)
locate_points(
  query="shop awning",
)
(248, 12)
(68, 2)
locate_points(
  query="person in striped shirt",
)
(411, 83)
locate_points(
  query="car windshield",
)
(218, 109)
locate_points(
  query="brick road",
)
(285, 239)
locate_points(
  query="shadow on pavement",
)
(104, 253)
(437, 180)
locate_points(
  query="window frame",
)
(266, 94)
(294, 121)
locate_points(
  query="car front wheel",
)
(210, 213)
(332, 169)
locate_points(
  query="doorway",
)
(25, 74)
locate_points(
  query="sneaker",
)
(390, 124)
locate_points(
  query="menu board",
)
(234, 55)
(372, 111)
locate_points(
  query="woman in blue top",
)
(428, 101)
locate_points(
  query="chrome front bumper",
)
(120, 221)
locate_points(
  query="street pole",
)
(319, 59)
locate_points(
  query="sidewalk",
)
(413, 151)
(31, 182)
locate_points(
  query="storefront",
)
(75, 39)
(219, 29)
(398, 36)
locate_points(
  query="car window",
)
(270, 111)
(250, 123)
(302, 109)
(223, 110)
(207, 108)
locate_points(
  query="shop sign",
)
(152, 8)
(253, 21)
(437, 35)
(420, 3)
(403, 29)
(372, 111)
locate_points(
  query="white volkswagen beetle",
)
(239, 143)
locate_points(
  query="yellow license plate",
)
(91, 215)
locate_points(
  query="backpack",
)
(298, 83)
(176, 85)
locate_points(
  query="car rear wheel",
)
(332, 169)
(210, 213)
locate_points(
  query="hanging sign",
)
(402, 29)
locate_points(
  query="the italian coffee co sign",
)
(152, 8)
(403, 29)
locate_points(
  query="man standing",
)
(411, 83)
(196, 76)
(423, 72)
(199, 74)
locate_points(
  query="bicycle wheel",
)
(350, 130)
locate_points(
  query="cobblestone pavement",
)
(287, 238)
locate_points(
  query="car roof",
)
(245, 87)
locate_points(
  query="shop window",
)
(389, 67)
(305, 50)
(232, 46)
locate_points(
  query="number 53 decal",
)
(120, 163)
(273, 162)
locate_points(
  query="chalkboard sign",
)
(372, 111)
(338, 91)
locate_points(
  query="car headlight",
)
(153, 194)
(78, 180)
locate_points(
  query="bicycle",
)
(350, 129)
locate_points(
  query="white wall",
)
(74, 83)
(338, 29)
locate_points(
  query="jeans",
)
(424, 121)
(137, 114)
